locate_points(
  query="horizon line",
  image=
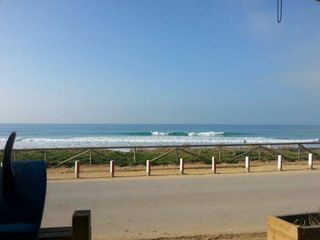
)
(101, 123)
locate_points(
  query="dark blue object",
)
(22, 196)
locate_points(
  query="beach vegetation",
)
(126, 158)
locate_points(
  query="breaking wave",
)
(147, 140)
(157, 133)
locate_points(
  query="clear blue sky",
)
(159, 61)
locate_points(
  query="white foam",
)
(206, 134)
(142, 141)
(159, 134)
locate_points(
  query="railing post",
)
(90, 156)
(220, 154)
(77, 169)
(310, 161)
(247, 160)
(112, 168)
(148, 168)
(177, 154)
(259, 151)
(299, 152)
(214, 165)
(81, 225)
(134, 156)
(181, 166)
(279, 163)
(45, 156)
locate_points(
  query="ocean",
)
(114, 135)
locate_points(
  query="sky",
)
(161, 61)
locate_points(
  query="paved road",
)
(129, 208)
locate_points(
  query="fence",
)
(133, 155)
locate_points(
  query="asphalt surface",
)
(150, 207)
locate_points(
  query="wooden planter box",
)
(283, 228)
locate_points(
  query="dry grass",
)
(240, 236)
(235, 236)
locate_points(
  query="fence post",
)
(259, 152)
(310, 161)
(45, 156)
(134, 156)
(214, 165)
(77, 169)
(247, 164)
(279, 163)
(181, 166)
(220, 154)
(148, 168)
(112, 168)
(177, 155)
(90, 156)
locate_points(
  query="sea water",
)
(115, 135)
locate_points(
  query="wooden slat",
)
(59, 233)
(274, 234)
(279, 229)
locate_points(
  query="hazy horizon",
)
(100, 123)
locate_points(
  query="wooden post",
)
(181, 166)
(310, 161)
(299, 152)
(247, 160)
(90, 156)
(45, 156)
(112, 168)
(214, 165)
(148, 168)
(259, 152)
(279, 163)
(77, 169)
(177, 154)
(81, 225)
(134, 156)
(220, 155)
